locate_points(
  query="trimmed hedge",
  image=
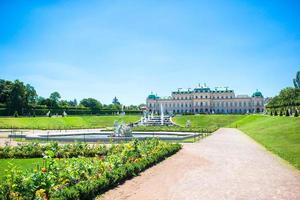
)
(42, 111)
(36, 150)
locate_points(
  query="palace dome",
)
(257, 94)
(153, 96)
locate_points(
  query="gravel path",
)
(226, 165)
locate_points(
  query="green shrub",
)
(16, 114)
(78, 178)
(296, 113)
(287, 113)
(36, 150)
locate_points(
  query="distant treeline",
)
(17, 98)
(287, 102)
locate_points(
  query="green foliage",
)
(297, 80)
(16, 114)
(287, 113)
(77, 178)
(36, 150)
(287, 99)
(91, 103)
(16, 96)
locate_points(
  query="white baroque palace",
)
(205, 100)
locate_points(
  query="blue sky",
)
(127, 49)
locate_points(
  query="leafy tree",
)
(31, 95)
(73, 103)
(17, 97)
(91, 103)
(5, 90)
(55, 97)
(64, 103)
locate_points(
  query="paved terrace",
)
(226, 165)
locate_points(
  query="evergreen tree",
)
(296, 113)
(287, 113)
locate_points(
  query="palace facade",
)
(206, 100)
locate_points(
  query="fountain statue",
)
(161, 115)
(188, 124)
(121, 130)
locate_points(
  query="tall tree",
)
(91, 103)
(31, 95)
(5, 90)
(55, 96)
(54, 99)
(17, 98)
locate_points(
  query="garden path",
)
(225, 165)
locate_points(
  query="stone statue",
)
(121, 130)
(297, 80)
(188, 124)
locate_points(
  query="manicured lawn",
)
(24, 164)
(280, 135)
(69, 122)
(207, 121)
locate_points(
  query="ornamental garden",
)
(51, 168)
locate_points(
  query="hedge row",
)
(69, 111)
(36, 150)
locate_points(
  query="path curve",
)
(226, 165)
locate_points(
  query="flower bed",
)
(37, 150)
(84, 178)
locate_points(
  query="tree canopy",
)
(22, 98)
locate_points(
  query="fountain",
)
(121, 130)
(161, 115)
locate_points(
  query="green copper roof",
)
(153, 96)
(257, 94)
(202, 89)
